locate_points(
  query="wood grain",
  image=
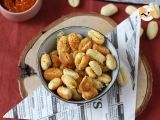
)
(24, 81)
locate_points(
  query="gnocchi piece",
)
(111, 62)
(54, 83)
(76, 95)
(96, 37)
(85, 44)
(86, 84)
(96, 68)
(78, 58)
(71, 73)
(109, 10)
(67, 60)
(94, 54)
(81, 60)
(69, 81)
(101, 49)
(51, 73)
(152, 30)
(97, 84)
(64, 92)
(87, 95)
(45, 61)
(130, 9)
(63, 46)
(122, 81)
(90, 72)
(84, 62)
(74, 3)
(55, 60)
(73, 41)
(105, 78)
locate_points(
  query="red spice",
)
(17, 5)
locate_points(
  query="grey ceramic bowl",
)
(50, 44)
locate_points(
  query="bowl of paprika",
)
(20, 10)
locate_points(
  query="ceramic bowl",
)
(49, 44)
(22, 16)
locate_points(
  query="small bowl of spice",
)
(20, 10)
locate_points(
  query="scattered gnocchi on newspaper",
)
(80, 68)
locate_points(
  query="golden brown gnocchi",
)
(97, 84)
(96, 37)
(85, 44)
(66, 59)
(69, 81)
(95, 67)
(45, 61)
(111, 62)
(78, 68)
(55, 83)
(73, 41)
(90, 94)
(90, 72)
(94, 54)
(101, 49)
(71, 73)
(81, 60)
(55, 60)
(105, 78)
(86, 84)
(51, 73)
(64, 92)
(63, 45)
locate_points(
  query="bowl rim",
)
(19, 13)
(43, 80)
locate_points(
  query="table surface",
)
(14, 36)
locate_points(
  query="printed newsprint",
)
(133, 1)
(118, 104)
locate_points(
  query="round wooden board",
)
(103, 24)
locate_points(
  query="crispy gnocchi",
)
(45, 61)
(94, 54)
(90, 72)
(111, 62)
(96, 37)
(80, 68)
(51, 73)
(55, 83)
(64, 92)
(73, 41)
(69, 81)
(95, 67)
(85, 44)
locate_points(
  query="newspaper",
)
(117, 104)
(133, 1)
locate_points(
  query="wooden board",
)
(29, 81)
